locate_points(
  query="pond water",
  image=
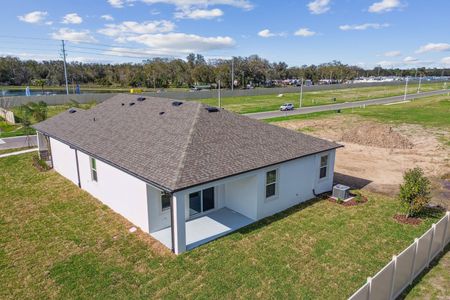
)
(9, 93)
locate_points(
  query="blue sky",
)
(390, 33)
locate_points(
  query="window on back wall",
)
(165, 201)
(271, 183)
(323, 166)
(94, 176)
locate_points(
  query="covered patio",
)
(206, 228)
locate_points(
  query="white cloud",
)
(181, 42)
(184, 4)
(318, 7)
(127, 28)
(410, 59)
(363, 26)
(385, 6)
(265, 33)
(34, 17)
(72, 18)
(392, 53)
(73, 35)
(117, 3)
(187, 4)
(408, 62)
(446, 60)
(434, 47)
(305, 32)
(199, 14)
(107, 17)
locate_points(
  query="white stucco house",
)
(184, 172)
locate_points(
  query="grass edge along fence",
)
(400, 272)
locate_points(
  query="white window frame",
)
(275, 195)
(93, 169)
(164, 209)
(326, 166)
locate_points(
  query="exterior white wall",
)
(296, 181)
(241, 196)
(64, 161)
(122, 192)
(159, 219)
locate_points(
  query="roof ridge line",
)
(189, 141)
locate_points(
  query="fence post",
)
(447, 218)
(416, 243)
(369, 282)
(431, 244)
(394, 271)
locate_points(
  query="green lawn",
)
(57, 241)
(430, 111)
(253, 104)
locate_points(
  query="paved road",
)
(328, 107)
(17, 142)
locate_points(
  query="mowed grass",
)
(57, 241)
(8, 130)
(430, 111)
(253, 104)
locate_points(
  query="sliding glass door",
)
(201, 201)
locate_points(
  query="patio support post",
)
(179, 223)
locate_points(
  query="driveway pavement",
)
(17, 142)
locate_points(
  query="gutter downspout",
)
(172, 230)
(78, 168)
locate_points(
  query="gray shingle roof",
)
(184, 146)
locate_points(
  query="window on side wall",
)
(165, 201)
(94, 175)
(323, 166)
(271, 183)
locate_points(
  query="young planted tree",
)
(40, 82)
(414, 192)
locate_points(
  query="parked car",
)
(287, 106)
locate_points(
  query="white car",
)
(287, 106)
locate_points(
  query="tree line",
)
(195, 69)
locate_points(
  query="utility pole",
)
(65, 67)
(301, 94)
(218, 94)
(406, 88)
(232, 74)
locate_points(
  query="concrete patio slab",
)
(206, 228)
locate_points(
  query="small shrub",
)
(414, 192)
(358, 198)
(339, 201)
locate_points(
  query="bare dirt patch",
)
(378, 154)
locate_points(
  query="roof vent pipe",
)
(212, 109)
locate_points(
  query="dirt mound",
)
(376, 135)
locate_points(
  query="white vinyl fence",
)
(400, 272)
